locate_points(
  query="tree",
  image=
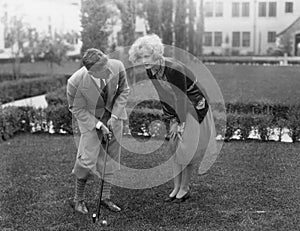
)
(15, 38)
(94, 21)
(191, 34)
(167, 22)
(200, 30)
(127, 9)
(180, 24)
(53, 49)
(153, 16)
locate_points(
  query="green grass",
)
(248, 177)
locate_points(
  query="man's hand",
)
(111, 123)
(105, 130)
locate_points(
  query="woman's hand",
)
(173, 131)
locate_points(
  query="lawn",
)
(245, 84)
(252, 186)
(237, 82)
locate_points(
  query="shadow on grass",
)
(252, 186)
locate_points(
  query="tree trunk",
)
(192, 15)
(180, 25)
(167, 21)
(200, 30)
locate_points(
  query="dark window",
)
(208, 9)
(208, 39)
(289, 7)
(219, 9)
(218, 39)
(272, 9)
(236, 39)
(235, 9)
(262, 9)
(246, 39)
(271, 36)
(245, 9)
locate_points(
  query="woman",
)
(184, 106)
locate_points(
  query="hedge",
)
(10, 77)
(23, 88)
(146, 122)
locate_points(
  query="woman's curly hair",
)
(151, 43)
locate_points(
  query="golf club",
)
(97, 214)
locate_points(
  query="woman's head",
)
(147, 50)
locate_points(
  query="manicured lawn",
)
(237, 82)
(252, 186)
(246, 84)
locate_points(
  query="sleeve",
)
(122, 93)
(179, 85)
(77, 105)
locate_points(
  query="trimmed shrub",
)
(294, 122)
(23, 88)
(60, 117)
(10, 77)
(264, 125)
(57, 97)
(231, 125)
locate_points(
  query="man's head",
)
(95, 62)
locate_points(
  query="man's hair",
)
(92, 56)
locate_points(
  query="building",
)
(247, 27)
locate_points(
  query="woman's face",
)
(148, 58)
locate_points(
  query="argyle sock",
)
(107, 186)
(79, 189)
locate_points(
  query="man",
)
(97, 94)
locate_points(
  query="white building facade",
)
(246, 27)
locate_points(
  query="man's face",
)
(100, 71)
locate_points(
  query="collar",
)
(159, 68)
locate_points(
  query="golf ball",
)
(104, 222)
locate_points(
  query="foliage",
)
(293, 118)
(16, 36)
(127, 9)
(60, 117)
(154, 16)
(180, 24)
(53, 50)
(95, 17)
(23, 88)
(167, 22)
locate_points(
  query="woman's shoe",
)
(182, 199)
(170, 199)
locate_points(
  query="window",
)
(271, 36)
(246, 39)
(235, 9)
(245, 9)
(289, 7)
(208, 39)
(219, 9)
(218, 39)
(262, 9)
(208, 9)
(272, 9)
(236, 39)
